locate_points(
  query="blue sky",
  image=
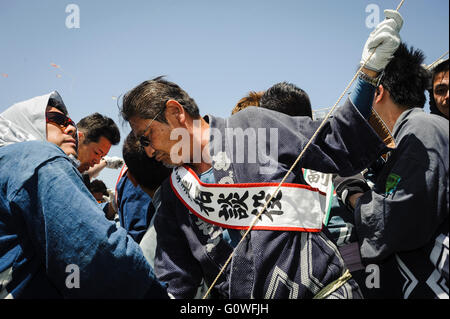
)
(216, 50)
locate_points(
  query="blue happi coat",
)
(54, 239)
(269, 264)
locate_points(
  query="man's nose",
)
(71, 130)
(150, 151)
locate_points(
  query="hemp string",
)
(292, 168)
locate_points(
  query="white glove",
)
(386, 39)
(113, 162)
(111, 199)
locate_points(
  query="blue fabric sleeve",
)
(362, 97)
(134, 209)
(67, 227)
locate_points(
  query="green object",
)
(392, 182)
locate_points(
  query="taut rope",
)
(292, 168)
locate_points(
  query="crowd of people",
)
(363, 213)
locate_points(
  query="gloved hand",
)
(111, 199)
(347, 186)
(386, 39)
(113, 162)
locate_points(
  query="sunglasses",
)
(59, 119)
(144, 140)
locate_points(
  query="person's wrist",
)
(370, 73)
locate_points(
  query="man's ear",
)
(175, 113)
(380, 94)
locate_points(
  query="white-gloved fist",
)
(386, 39)
(113, 162)
(111, 199)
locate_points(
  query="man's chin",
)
(171, 165)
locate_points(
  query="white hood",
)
(25, 121)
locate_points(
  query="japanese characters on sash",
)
(295, 207)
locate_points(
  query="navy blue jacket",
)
(269, 264)
(52, 229)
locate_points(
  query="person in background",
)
(96, 134)
(145, 174)
(252, 99)
(136, 186)
(439, 93)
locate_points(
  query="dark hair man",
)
(195, 206)
(439, 93)
(98, 190)
(402, 223)
(138, 195)
(96, 135)
(136, 187)
(282, 97)
(287, 98)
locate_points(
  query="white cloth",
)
(25, 121)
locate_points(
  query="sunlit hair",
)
(96, 125)
(149, 98)
(405, 77)
(252, 99)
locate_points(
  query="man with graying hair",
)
(287, 254)
(55, 241)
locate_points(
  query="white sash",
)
(295, 208)
(324, 183)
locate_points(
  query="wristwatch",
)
(373, 81)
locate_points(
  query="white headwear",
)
(25, 121)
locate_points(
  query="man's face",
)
(63, 135)
(440, 91)
(158, 137)
(91, 153)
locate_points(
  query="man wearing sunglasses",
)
(271, 263)
(61, 130)
(55, 241)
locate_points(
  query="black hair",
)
(405, 77)
(288, 99)
(97, 186)
(440, 67)
(52, 102)
(147, 171)
(96, 125)
(149, 98)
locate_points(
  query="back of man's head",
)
(150, 97)
(96, 125)
(98, 186)
(148, 172)
(288, 99)
(405, 78)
